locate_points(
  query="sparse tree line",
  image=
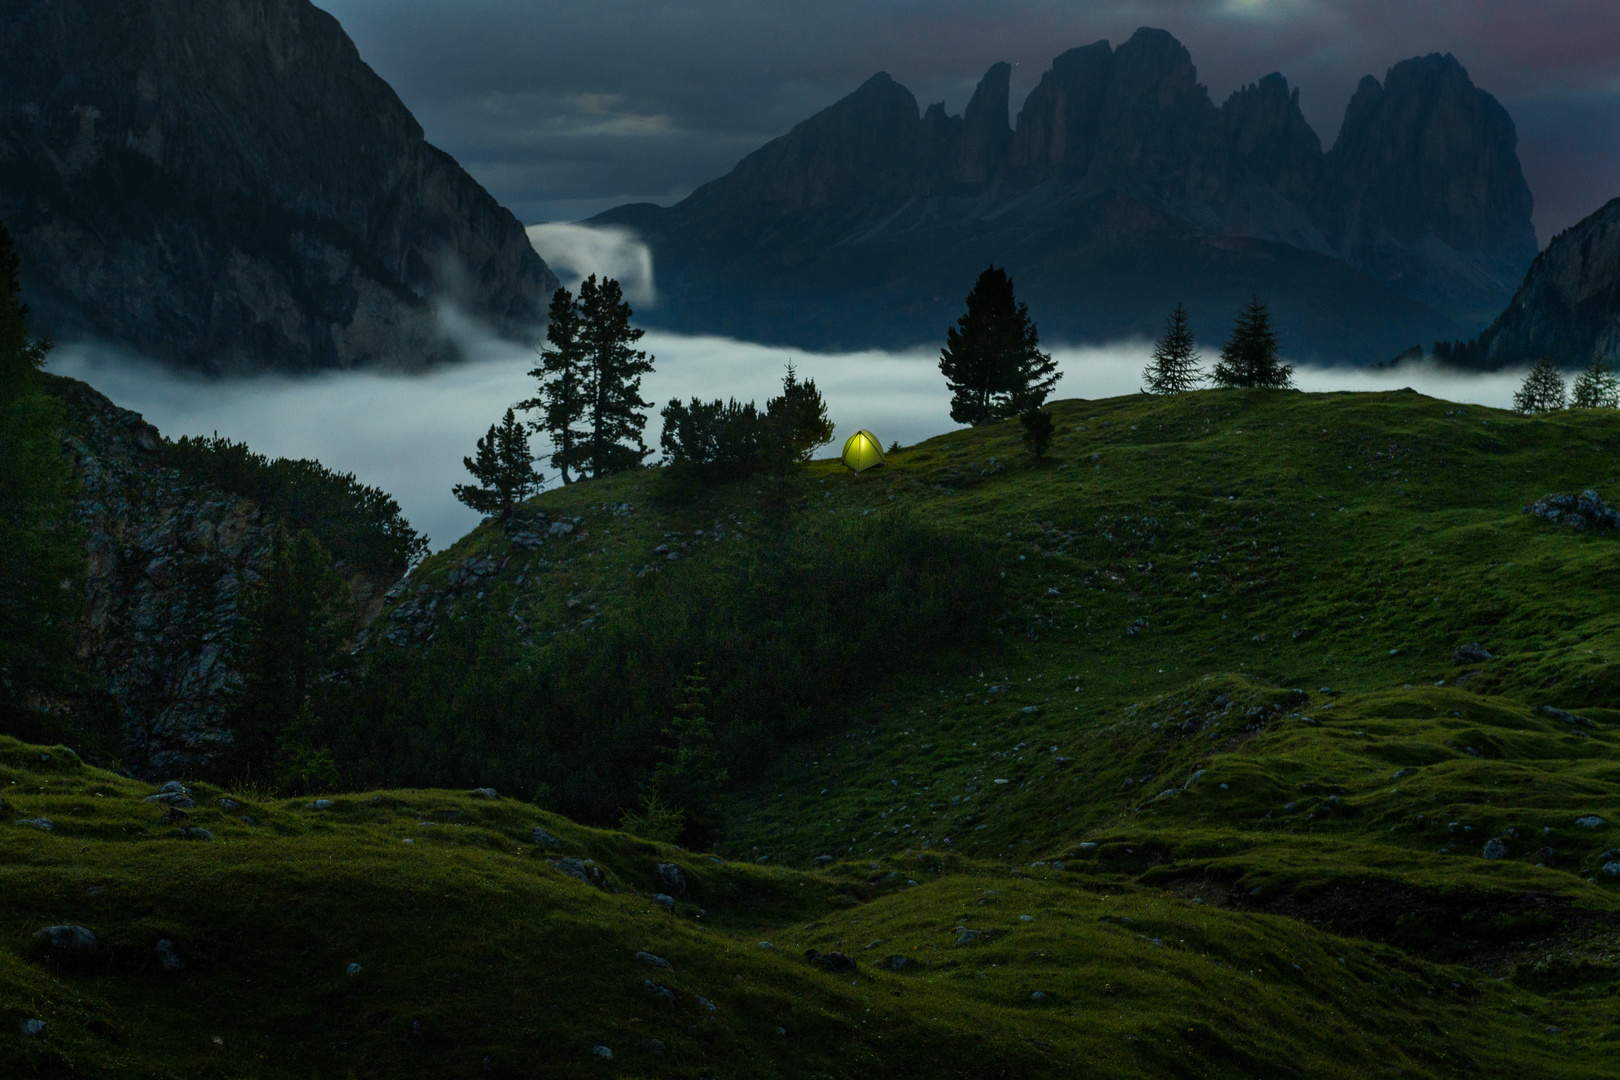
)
(1250, 358)
(1545, 391)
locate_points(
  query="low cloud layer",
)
(563, 109)
(408, 434)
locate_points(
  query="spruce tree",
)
(1543, 389)
(1174, 368)
(1250, 358)
(504, 469)
(614, 379)
(992, 360)
(289, 650)
(797, 421)
(42, 555)
(563, 401)
(1596, 387)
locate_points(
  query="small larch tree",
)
(504, 469)
(1250, 357)
(1596, 387)
(1174, 368)
(1543, 390)
(797, 420)
(992, 360)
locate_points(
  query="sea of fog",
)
(408, 433)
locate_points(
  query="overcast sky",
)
(562, 109)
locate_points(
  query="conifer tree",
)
(797, 419)
(992, 360)
(504, 469)
(563, 401)
(1543, 389)
(1250, 358)
(1174, 368)
(1037, 431)
(41, 548)
(288, 648)
(1596, 387)
(614, 379)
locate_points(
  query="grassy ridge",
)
(1218, 700)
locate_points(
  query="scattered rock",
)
(353, 969)
(655, 1047)
(834, 961)
(1566, 717)
(665, 900)
(1088, 845)
(67, 939)
(655, 961)
(1546, 856)
(602, 1052)
(195, 834)
(672, 877)
(42, 824)
(172, 798)
(484, 793)
(544, 839)
(31, 1027)
(897, 963)
(822, 860)
(707, 1004)
(1493, 849)
(167, 958)
(1590, 821)
(664, 993)
(319, 804)
(1039, 997)
(1472, 653)
(230, 806)
(1576, 512)
(583, 869)
(767, 946)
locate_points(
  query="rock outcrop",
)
(1568, 307)
(228, 186)
(1120, 190)
(169, 558)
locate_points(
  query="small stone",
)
(822, 860)
(1612, 869)
(70, 939)
(319, 804)
(672, 877)
(167, 958)
(1493, 849)
(767, 946)
(353, 969)
(707, 1004)
(228, 805)
(834, 961)
(1039, 996)
(655, 1047)
(1026, 918)
(172, 798)
(664, 993)
(667, 901)
(483, 793)
(1472, 653)
(602, 1052)
(42, 824)
(583, 869)
(1088, 845)
(544, 839)
(195, 834)
(655, 961)
(1590, 821)
(31, 1027)
(968, 937)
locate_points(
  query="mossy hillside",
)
(476, 957)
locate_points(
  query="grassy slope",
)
(1257, 544)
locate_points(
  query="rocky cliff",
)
(1120, 190)
(1569, 305)
(169, 558)
(227, 185)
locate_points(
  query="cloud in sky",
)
(563, 109)
(574, 252)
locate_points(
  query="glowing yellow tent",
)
(862, 451)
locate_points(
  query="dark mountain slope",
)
(227, 185)
(1569, 305)
(1120, 190)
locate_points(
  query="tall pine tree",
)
(41, 548)
(797, 419)
(504, 469)
(1250, 358)
(614, 371)
(1174, 368)
(992, 359)
(564, 400)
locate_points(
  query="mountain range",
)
(1120, 190)
(228, 186)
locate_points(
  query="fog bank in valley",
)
(408, 433)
